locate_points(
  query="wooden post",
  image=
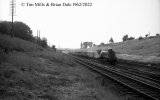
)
(39, 37)
(13, 14)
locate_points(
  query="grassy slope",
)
(17, 44)
(146, 47)
(145, 50)
(33, 73)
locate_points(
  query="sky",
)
(68, 26)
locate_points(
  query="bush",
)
(157, 34)
(131, 38)
(102, 44)
(125, 37)
(140, 38)
(5, 27)
(43, 42)
(54, 47)
(152, 37)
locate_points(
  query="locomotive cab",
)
(112, 56)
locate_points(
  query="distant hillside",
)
(144, 47)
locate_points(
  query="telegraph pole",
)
(38, 37)
(12, 12)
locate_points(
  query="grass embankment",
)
(145, 50)
(144, 47)
(16, 44)
(29, 72)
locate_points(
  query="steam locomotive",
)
(105, 56)
(108, 56)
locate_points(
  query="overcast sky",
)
(68, 26)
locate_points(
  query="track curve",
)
(142, 84)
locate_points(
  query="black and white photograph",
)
(79, 49)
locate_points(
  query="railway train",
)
(105, 56)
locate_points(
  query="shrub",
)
(131, 38)
(54, 47)
(146, 35)
(102, 44)
(43, 42)
(157, 34)
(152, 37)
(125, 37)
(140, 38)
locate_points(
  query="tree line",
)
(23, 31)
(124, 38)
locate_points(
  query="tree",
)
(85, 45)
(90, 44)
(157, 34)
(146, 35)
(81, 45)
(102, 44)
(21, 30)
(125, 37)
(94, 45)
(5, 27)
(140, 38)
(43, 42)
(54, 47)
(111, 40)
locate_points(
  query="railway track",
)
(152, 69)
(140, 64)
(142, 84)
(149, 75)
(141, 70)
